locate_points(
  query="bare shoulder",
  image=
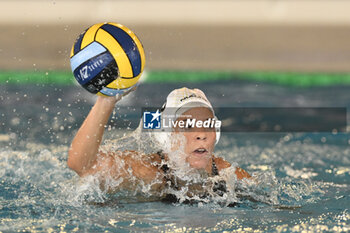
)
(125, 163)
(221, 163)
(144, 166)
(241, 173)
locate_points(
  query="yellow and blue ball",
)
(107, 59)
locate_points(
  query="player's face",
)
(200, 141)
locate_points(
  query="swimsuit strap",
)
(214, 168)
(164, 167)
(219, 187)
(161, 155)
(169, 198)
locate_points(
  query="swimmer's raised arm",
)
(84, 148)
(83, 152)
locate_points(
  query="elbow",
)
(72, 162)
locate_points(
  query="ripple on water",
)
(39, 192)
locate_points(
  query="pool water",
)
(304, 178)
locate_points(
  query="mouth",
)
(200, 152)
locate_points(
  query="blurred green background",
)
(298, 43)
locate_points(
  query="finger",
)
(130, 90)
(121, 95)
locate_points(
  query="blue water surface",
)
(307, 173)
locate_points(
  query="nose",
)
(201, 138)
(201, 135)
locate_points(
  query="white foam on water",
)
(192, 183)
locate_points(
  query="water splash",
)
(192, 185)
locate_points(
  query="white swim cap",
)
(179, 101)
(182, 99)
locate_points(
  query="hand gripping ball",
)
(107, 59)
